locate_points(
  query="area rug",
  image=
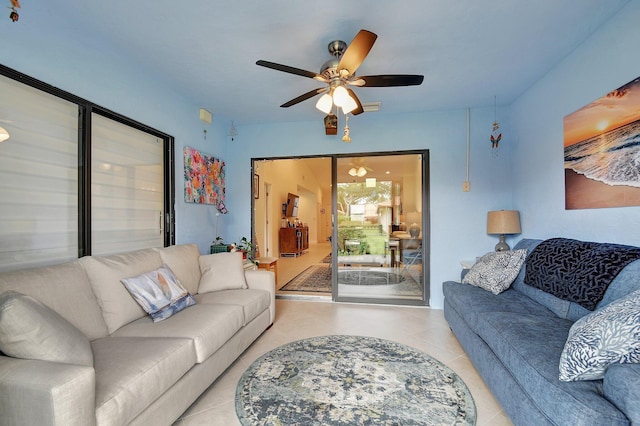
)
(351, 380)
(316, 278)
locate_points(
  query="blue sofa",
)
(515, 340)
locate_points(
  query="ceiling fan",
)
(340, 72)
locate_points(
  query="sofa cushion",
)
(208, 326)
(562, 308)
(131, 373)
(159, 293)
(252, 302)
(495, 271)
(621, 383)
(105, 273)
(470, 302)
(31, 330)
(64, 288)
(529, 346)
(607, 336)
(221, 271)
(183, 261)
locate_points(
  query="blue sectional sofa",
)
(515, 340)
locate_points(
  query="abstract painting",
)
(602, 151)
(203, 178)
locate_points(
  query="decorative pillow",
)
(221, 271)
(159, 293)
(495, 271)
(32, 330)
(607, 336)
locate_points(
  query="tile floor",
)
(419, 327)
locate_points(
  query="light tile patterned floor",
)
(422, 328)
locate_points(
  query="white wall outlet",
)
(466, 186)
(205, 116)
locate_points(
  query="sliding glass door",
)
(381, 228)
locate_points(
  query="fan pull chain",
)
(347, 132)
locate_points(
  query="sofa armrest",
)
(622, 388)
(263, 280)
(36, 392)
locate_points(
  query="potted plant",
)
(246, 247)
(218, 246)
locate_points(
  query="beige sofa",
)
(143, 372)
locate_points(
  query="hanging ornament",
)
(331, 124)
(347, 133)
(15, 4)
(232, 131)
(496, 133)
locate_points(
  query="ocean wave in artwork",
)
(612, 157)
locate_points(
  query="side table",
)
(268, 263)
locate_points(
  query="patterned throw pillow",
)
(159, 293)
(607, 336)
(495, 271)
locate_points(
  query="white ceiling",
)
(468, 50)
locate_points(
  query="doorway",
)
(362, 219)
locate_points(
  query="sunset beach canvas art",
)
(602, 151)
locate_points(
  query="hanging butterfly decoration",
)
(15, 4)
(496, 134)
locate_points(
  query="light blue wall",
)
(458, 219)
(527, 175)
(606, 61)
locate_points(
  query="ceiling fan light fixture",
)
(4, 135)
(340, 96)
(361, 171)
(325, 103)
(353, 172)
(349, 105)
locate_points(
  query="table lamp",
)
(503, 222)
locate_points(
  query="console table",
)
(294, 241)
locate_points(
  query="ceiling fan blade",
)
(359, 109)
(290, 70)
(304, 97)
(357, 51)
(392, 80)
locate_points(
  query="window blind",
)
(38, 177)
(127, 191)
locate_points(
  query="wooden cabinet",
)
(293, 241)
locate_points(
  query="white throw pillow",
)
(159, 293)
(495, 271)
(221, 271)
(31, 330)
(610, 335)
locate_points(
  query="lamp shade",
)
(340, 96)
(325, 103)
(503, 222)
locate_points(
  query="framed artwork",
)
(203, 178)
(256, 186)
(602, 151)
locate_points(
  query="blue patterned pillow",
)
(159, 293)
(610, 335)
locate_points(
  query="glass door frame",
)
(426, 230)
(425, 226)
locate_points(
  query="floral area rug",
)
(316, 278)
(351, 380)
